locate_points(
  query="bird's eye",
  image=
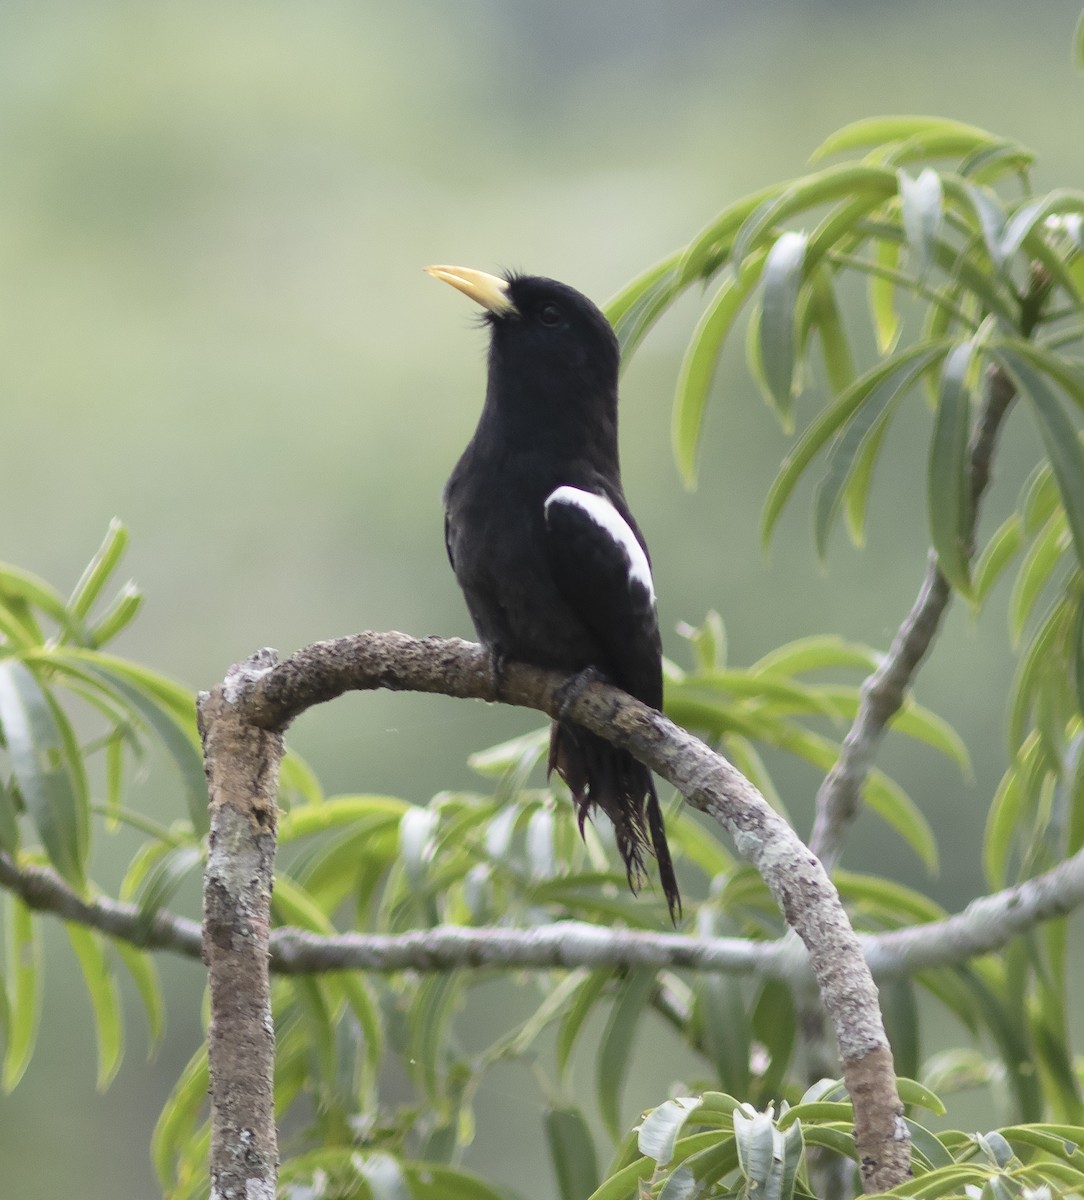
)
(550, 314)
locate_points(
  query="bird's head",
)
(545, 335)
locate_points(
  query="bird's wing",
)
(603, 572)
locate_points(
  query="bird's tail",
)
(600, 775)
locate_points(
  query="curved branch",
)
(800, 885)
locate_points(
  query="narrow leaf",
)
(22, 972)
(700, 360)
(848, 451)
(141, 967)
(897, 372)
(175, 1128)
(102, 989)
(587, 997)
(572, 1152)
(175, 730)
(43, 769)
(662, 1127)
(1042, 557)
(782, 278)
(835, 346)
(617, 1045)
(99, 569)
(923, 208)
(882, 296)
(875, 132)
(991, 218)
(995, 557)
(948, 481)
(1059, 436)
(22, 590)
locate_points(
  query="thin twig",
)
(984, 927)
(884, 692)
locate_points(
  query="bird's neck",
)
(570, 428)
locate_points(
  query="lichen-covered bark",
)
(242, 764)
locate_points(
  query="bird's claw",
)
(497, 664)
(574, 687)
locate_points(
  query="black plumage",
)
(552, 565)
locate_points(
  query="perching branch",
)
(272, 697)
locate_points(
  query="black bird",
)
(553, 567)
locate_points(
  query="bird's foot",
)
(574, 687)
(497, 664)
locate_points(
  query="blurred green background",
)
(214, 324)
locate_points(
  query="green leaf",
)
(723, 1018)
(991, 218)
(1042, 557)
(875, 132)
(9, 818)
(617, 1045)
(662, 1127)
(175, 1128)
(431, 1181)
(1078, 43)
(895, 374)
(892, 904)
(164, 878)
(587, 997)
(1059, 436)
(99, 569)
(635, 323)
(21, 591)
(698, 365)
(1001, 822)
(1024, 221)
(851, 450)
(102, 989)
(430, 1014)
(922, 204)
(892, 804)
(142, 970)
(782, 277)
(1066, 372)
(775, 1026)
(572, 1152)
(848, 180)
(120, 614)
(626, 1182)
(48, 769)
(995, 557)
(22, 972)
(900, 1010)
(948, 478)
(383, 1176)
(165, 707)
(882, 296)
(828, 320)
(816, 653)
(630, 295)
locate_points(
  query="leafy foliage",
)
(713, 1145)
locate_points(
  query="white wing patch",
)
(607, 518)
